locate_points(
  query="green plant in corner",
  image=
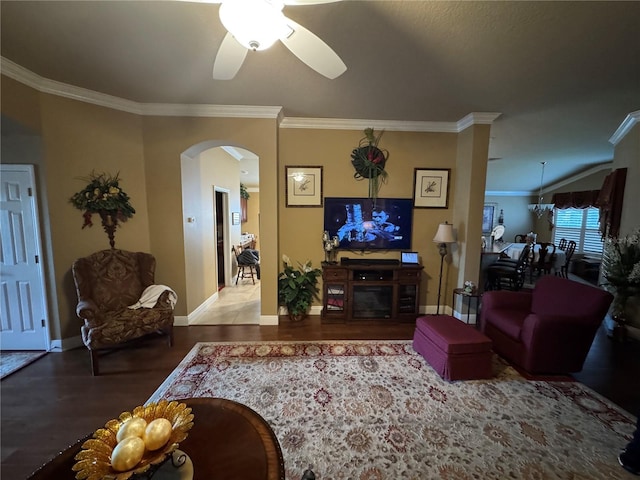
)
(297, 287)
(243, 191)
(622, 271)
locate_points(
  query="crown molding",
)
(361, 124)
(477, 118)
(390, 125)
(625, 127)
(195, 110)
(44, 85)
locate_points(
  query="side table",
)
(228, 441)
(468, 297)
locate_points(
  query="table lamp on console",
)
(443, 236)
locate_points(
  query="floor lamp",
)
(443, 236)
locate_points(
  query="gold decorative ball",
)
(127, 454)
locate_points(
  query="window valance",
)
(584, 199)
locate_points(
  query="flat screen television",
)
(365, 224)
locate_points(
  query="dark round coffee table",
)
(228, 441)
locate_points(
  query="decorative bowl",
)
(94, 460)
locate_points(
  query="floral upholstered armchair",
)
(110, 285)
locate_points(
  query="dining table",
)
(515, 249)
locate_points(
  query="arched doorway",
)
(211, 176)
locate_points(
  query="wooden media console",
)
(375, 290)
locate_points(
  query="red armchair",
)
(547, 330)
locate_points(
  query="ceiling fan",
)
(257, 25)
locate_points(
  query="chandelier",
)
(541, 208)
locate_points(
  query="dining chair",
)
(546, 258)
(520, 238)
(571, 248)
(504, 274)
(562, 244)
(245, 270)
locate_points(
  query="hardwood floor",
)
(55, 401)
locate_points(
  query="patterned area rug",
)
(13, 361)
(376, 410)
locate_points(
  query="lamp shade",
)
(444, 234)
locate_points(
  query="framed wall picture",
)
(431, 188)
(488, 214)
(303, 186)
(235, 218)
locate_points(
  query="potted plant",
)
(243, 191)
(621, 267)
(297, 287)
(103, 196)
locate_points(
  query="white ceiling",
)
(563, 75)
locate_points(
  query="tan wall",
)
(165, 140)
(147, 151)
(301, 228)
(213, 168)
(221, 170)
(74, 147)
(252, 225)
(78, 137)
(468, 201)
(21, 103)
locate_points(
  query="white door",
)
(22, 294)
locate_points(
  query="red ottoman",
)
(455, 350)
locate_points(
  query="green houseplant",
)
(622, 272)
(297, 287)
(243, 191)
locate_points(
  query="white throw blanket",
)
(151, 294)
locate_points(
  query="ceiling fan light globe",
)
(255, 24)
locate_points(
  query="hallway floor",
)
(236, 305)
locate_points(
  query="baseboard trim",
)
(269, 320)
(180, 321)
(62, 345)
(198, 311)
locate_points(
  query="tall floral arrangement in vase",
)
(622, 271)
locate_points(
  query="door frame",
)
(226, 237)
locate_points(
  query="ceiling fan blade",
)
(313, 51)
(229, 58)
